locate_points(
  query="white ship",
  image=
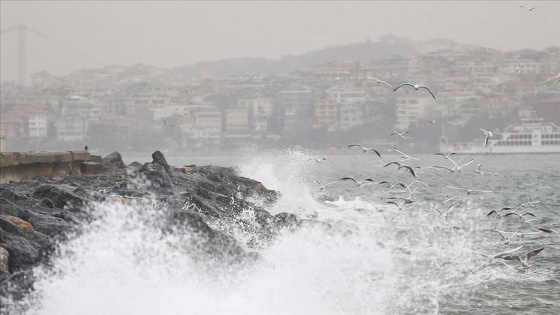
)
(530, 135)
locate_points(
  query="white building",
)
(37, 126)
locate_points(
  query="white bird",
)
(318, 160)
(522, 216)
(479, 169)
(401, 134)
(432, 121)
(495, 256)
(507, 240)
(456, 167)
(487, 136)
(364, 148)
(405, 156)
(454, 123)
(363, 182)
(529, 9)
(518, 67)
(525, 260)
(416, 87)
(446, 156)
(321, 186)
(469, 190)
(551, 78)
(378, 81)
(444, 214)
(408, 167)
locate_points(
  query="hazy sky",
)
(84, 34)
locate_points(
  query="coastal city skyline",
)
(72, 36)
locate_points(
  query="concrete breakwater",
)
(15, 166)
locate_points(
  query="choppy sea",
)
(433, 256)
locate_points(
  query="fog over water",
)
(87, 34)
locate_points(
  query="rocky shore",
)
(37, 213)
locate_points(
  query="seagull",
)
(456, 167)
(391, 186)
(444, 214)
(405, 156)
(487, 135)
(507, 240)
(499, 213)
(552, 77)
(454, 123)
(518, 67)
(416, 87)
(166, 124)
(364, 148)
(522, 216)
(432, 121)
(401, 134)
(408, 167)
(319, 160)
(363, 182)
(399, 206)
(479, 169)
(469, 190)
(547, 230)
(525, 260)
(493, 257)
(447, 156)
(378, 81)
(530, 9)
(321, 186)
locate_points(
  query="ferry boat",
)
(530, 135)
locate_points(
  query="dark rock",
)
(159, 158)
(36, 213)
(59, 197)
(113, 162)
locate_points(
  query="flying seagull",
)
(321, 186)
(401, 134)
(378, 81)
(469, 190)
(408, 167)
(363, 182)
(525, 260)
(416, 87)
(530, 9)
(318, 160)
(364, 148)
(405, 156)
(551, 78)
(487, 136)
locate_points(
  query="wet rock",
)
(113, 162)
(159, 158)
(36, 213)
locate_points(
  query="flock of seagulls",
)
(401, 203)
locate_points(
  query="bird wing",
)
(533, 253)
(398, 87)
(376, 152)
(348, 178)
(397, 163)
(410, 169)
(423, 87)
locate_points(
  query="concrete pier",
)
(18, 165)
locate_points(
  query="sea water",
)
(370, 257)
